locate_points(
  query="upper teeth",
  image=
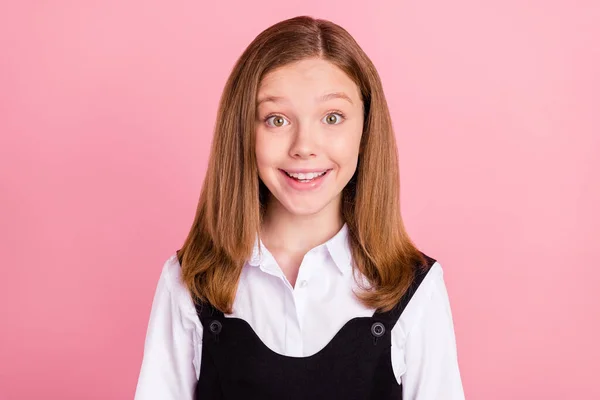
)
(309, 175)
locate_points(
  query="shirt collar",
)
(338, 248)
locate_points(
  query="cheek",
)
(345, 149)
(261, 148)
(267, 150)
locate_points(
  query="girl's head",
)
(303, 97)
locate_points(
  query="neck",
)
(299, 233)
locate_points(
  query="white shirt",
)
(299, 321)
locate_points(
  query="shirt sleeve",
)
(432, 370)
(168, 367)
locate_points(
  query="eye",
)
(334, 118)
(276, 121)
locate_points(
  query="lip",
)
(306, 186)
(305, 170)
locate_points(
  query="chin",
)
(306, 209)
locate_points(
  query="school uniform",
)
(312, 341)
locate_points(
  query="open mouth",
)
(307, 177)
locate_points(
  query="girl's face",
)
(309, 125)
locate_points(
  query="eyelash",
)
(341, 114)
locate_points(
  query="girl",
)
(298, 279)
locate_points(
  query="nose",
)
(304, 144)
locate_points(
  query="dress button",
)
(215, 327)
(303, 283)
(377, 329)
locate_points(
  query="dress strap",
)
(207, 311)
(391, 317)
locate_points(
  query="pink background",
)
(106, 115)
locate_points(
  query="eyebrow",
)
(325, 97)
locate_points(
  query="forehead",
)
(311, 78)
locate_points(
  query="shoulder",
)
(170, 278)
(427, 283)
(431, 282)
(170, 274)
(432, 272)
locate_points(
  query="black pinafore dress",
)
(355, 365)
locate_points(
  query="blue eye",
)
(334, 118)
(277, 121)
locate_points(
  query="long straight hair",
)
(233, 199)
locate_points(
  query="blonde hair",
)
(232, 200)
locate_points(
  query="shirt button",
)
(303, 283)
